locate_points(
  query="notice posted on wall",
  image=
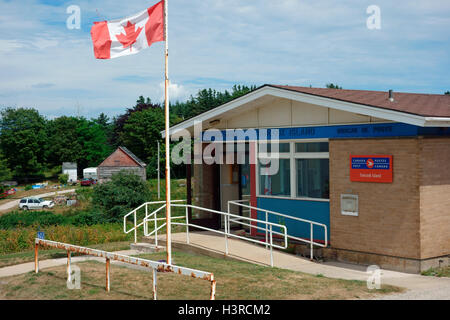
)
(371, 168)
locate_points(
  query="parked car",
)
(87, 182)
(35, 203)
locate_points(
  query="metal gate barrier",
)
(153, 265)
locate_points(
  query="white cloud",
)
(298, 42)
(7, 46)
(177, 92)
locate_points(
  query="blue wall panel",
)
(317, 211)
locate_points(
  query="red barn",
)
(121, 159)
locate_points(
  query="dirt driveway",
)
(15, 203)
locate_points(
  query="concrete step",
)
(146, 247)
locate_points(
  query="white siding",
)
(337, 116)
(244, 120)
(285, 113)
(276, 114)
(308, 114)
(72, 174)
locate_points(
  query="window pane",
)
(278, 184)
(312, 147)
(267, 147)
(313, 178)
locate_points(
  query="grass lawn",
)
(177, 189)
(235, 280)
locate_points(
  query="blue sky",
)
(216, 43)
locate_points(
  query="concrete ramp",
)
(211, 244)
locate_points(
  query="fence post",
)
(213, 288)
(154, 283)
(135, 229)
(36, 258)
(145, 220)
(271, 247)
(108, 261)
(312, 237)
(226, 220)
(267, 220)
(155, 214)
(187, 225)
(69, 271)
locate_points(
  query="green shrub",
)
(28, 187)
(85, 194)
(119, 196)
(87, 218)
(63, 178)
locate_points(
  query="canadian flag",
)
(117, 38)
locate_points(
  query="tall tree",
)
(102, 120)
(92, 138)
(63, 142)
(5, 173)
(77, 140)
(23, 140)
(207, 99)
(333, 86)
(119, 122)
(108, 126)
(141, 133)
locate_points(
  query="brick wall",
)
(389, 213)
(435, 197)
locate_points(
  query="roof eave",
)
(437, 122)
(372, 111)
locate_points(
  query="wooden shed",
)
(121, 159)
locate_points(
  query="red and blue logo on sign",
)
(371, 168)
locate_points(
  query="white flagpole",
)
(167, 116)
(159, 175)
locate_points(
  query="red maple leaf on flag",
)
(130, 36)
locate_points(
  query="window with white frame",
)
(278, 184)
(303, 170)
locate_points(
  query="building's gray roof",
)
(133, 156)
(69, 165)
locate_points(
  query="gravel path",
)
(440, 293)
(15, 203)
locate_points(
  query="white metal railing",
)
(247, 221)
(252, 223)
(134, 213)
(311, 242)
(228, 217)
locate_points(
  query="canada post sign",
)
(371, 168)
